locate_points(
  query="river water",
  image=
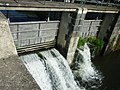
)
(109, 65)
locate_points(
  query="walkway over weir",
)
(38, 5)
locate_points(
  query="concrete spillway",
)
(50, 70)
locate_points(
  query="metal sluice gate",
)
(35, 35)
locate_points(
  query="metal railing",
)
(41, 1)
(81, 2)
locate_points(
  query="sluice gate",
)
(90, 28)
(35, 35)
(29, 36)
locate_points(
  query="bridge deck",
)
(36, 5)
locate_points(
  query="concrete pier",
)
(114, 43)
(107, 21)
(7, 47)
(69, 32)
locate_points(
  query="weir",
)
(63, 34)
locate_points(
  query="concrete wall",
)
(108, 31)
(105, 25)
(74, 33)
(7, 47)
(13, 74)
(69, 32)
(63, 29)
(114, 39)
(116, 44)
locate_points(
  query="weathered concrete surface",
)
(117, 43)
(74, 33)
(63, 33)
(69, 32)
(105, 25)
(63, 30)
(114, 37)
(7, 47)
(13, 74)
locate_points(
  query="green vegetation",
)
(81, 42)
(98, 43)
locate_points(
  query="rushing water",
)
(84, 71)
(50, 70)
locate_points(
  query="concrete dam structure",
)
(58, 25)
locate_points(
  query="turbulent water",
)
(84, 71)
(50, 70)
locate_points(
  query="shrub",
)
(81, 42)
(92, 40)
(96, 41)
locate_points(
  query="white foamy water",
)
(38, 70)
(84, 70)
(50, 70)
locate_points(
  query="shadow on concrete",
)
(14, 75)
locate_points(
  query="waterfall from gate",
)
(50, 70)
(84, 71)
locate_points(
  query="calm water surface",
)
(109, 65)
